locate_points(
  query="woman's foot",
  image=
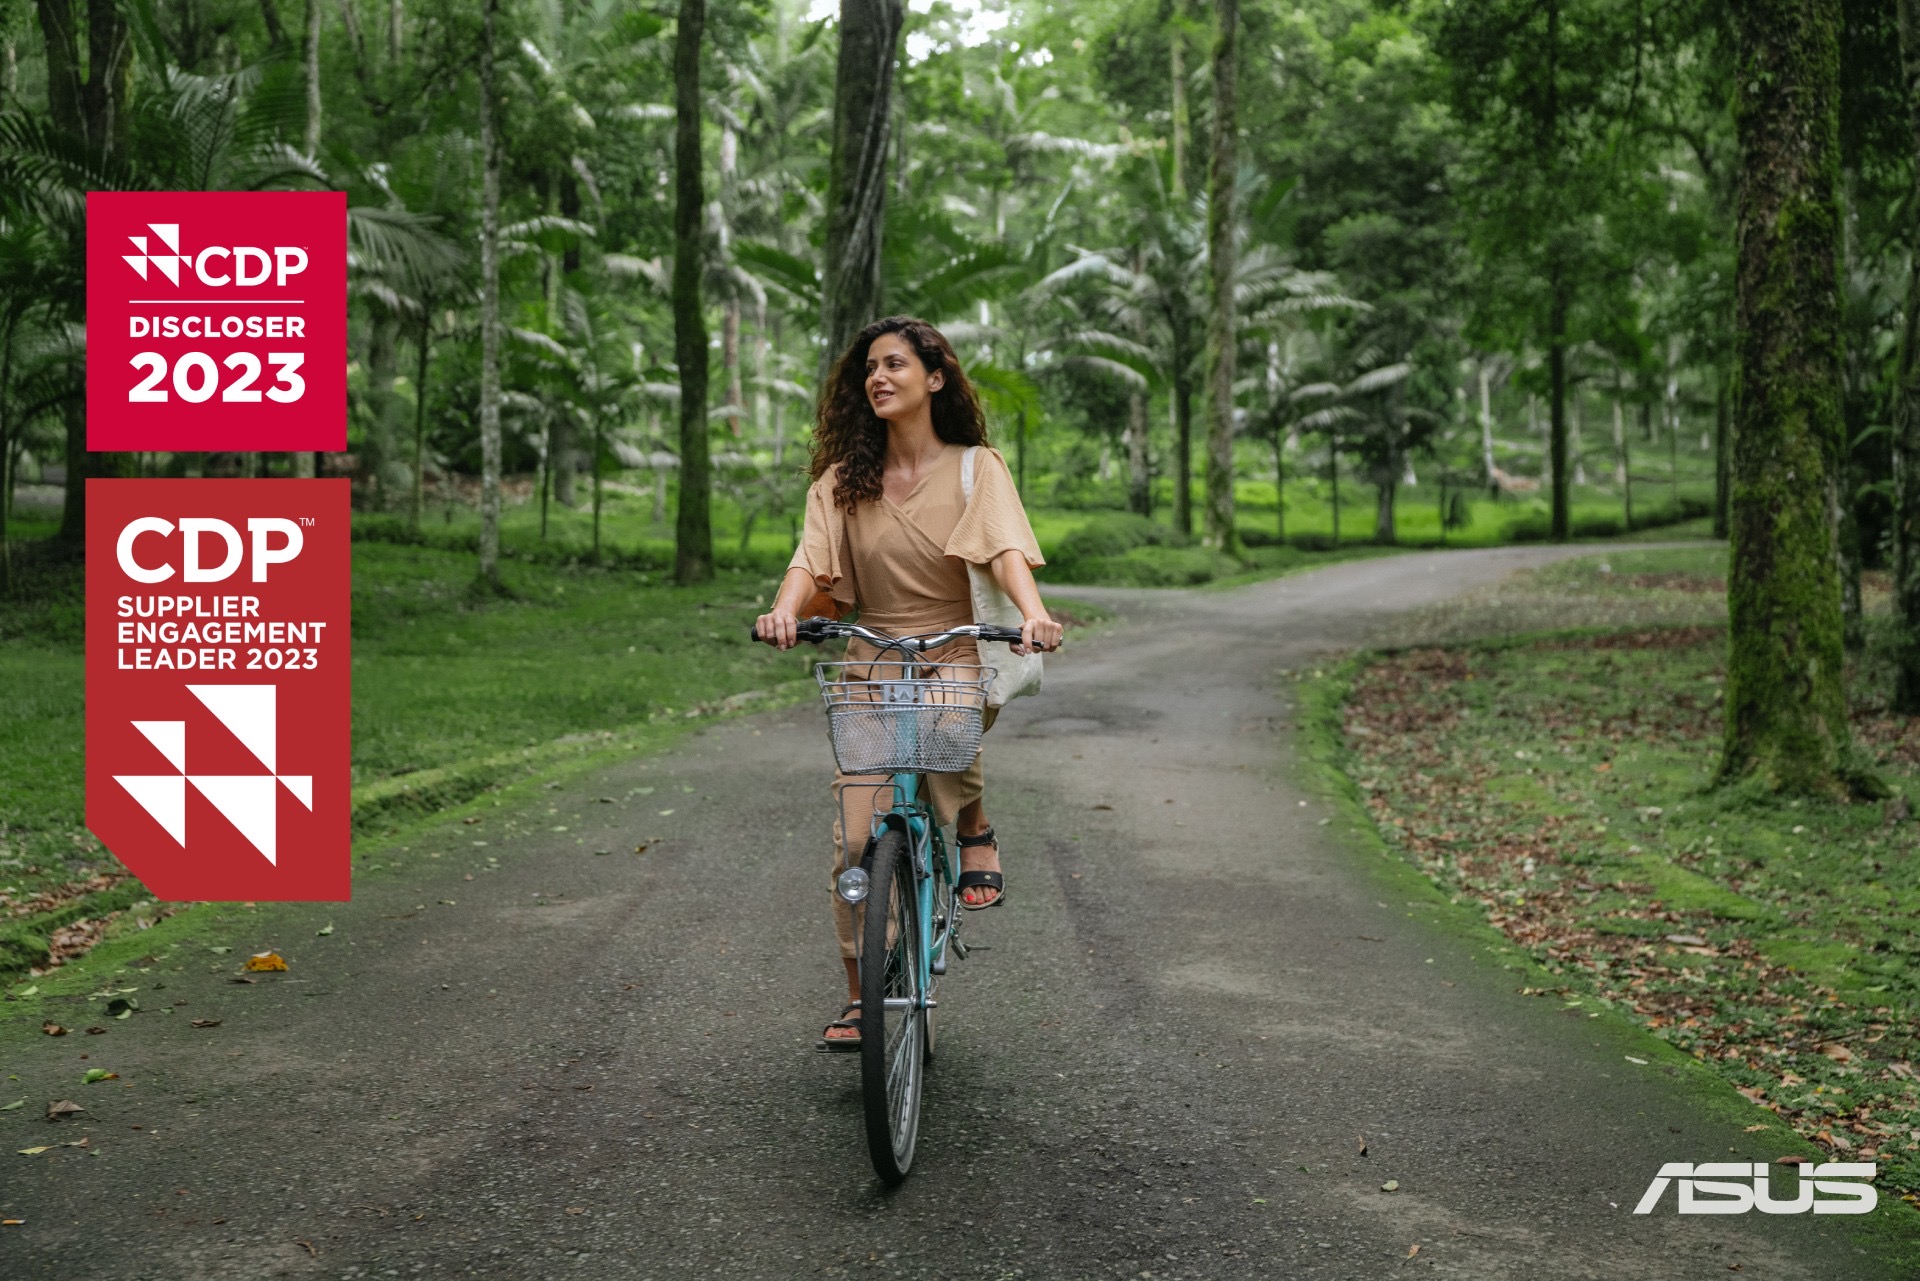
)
(844, 1032)
(983, 856)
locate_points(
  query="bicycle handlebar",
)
(817, 630)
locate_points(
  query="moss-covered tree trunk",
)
(1220, 315)
(1786, 713)
(850, 288)
(1906, 408)
(693, 527)
(489, 310)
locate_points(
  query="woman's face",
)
(898, 385)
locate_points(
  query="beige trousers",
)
(857, 798)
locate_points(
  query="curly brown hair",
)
(847, 433)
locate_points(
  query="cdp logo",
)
(1716, 1188)
(217, 320)
(216, 265)
(193, 529)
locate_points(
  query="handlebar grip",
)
(811, 630)
(1009, 635)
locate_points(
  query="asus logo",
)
(1712, 1188)
(215, 265)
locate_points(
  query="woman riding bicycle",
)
(890, 532)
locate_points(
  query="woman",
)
(890, 532)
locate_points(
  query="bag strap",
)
(966, 472)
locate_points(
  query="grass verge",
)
(1556, 785)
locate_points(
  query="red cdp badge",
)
(217, 320)
(218, 721)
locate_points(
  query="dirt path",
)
(1195, 1001)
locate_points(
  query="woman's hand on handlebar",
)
(1040, 633)
(778, 627)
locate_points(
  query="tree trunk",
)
(1906, 408)
(1383, 530)
(1183, 442)
(1786, 710)
(1333, 471)
(1177, 72)
(1722, 450)
(1557, 407)
(1486, 429)
(1622, 468)
(1576, 438)
(1221, 529)
(423, 349)
(776, 399)
(1139, 476)
(489, 311)
(1280, 483)
(310, 141)
(693, 530)
(851, 287)
(730, 311)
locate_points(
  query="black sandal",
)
(841, 1044)
(980, 879)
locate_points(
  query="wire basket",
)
(885, 718)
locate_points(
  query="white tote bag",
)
(1015, 674)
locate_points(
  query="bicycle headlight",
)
(853, 884)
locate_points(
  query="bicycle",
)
(901, 718)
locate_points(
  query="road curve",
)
(1194, 1003)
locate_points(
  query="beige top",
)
(904, 565)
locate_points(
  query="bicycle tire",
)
(892, 1042)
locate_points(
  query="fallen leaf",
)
(221, 951)
(1690, 940)
(1790, 1160)
(241, 980)
(321, 933)
(96, 1031)
(1103, 807)
(52, 1029)
(98, 1074)
(35, 1151)
(576, 1209)
(1837, 1052)
(17, 1103)
(1413, 1249)
(60, 1109)
(639, 849)
(121, 1007)
(1631, 1059)
(1391, 1185)
(309, 1248)
(1363, 1145)
(1754, 1129)
(260, 961)
(206, 1023)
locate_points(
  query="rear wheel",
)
(892, 1040)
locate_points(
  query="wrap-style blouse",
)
(904, 565)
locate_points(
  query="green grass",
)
(1562, 782)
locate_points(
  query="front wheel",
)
(893, 1026)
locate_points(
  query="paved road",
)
(1194, 1001)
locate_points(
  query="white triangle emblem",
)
(170, 737)
(247, 802)
(163, 797)
(248, 713)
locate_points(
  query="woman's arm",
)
(1037, 630)
(777, 625)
